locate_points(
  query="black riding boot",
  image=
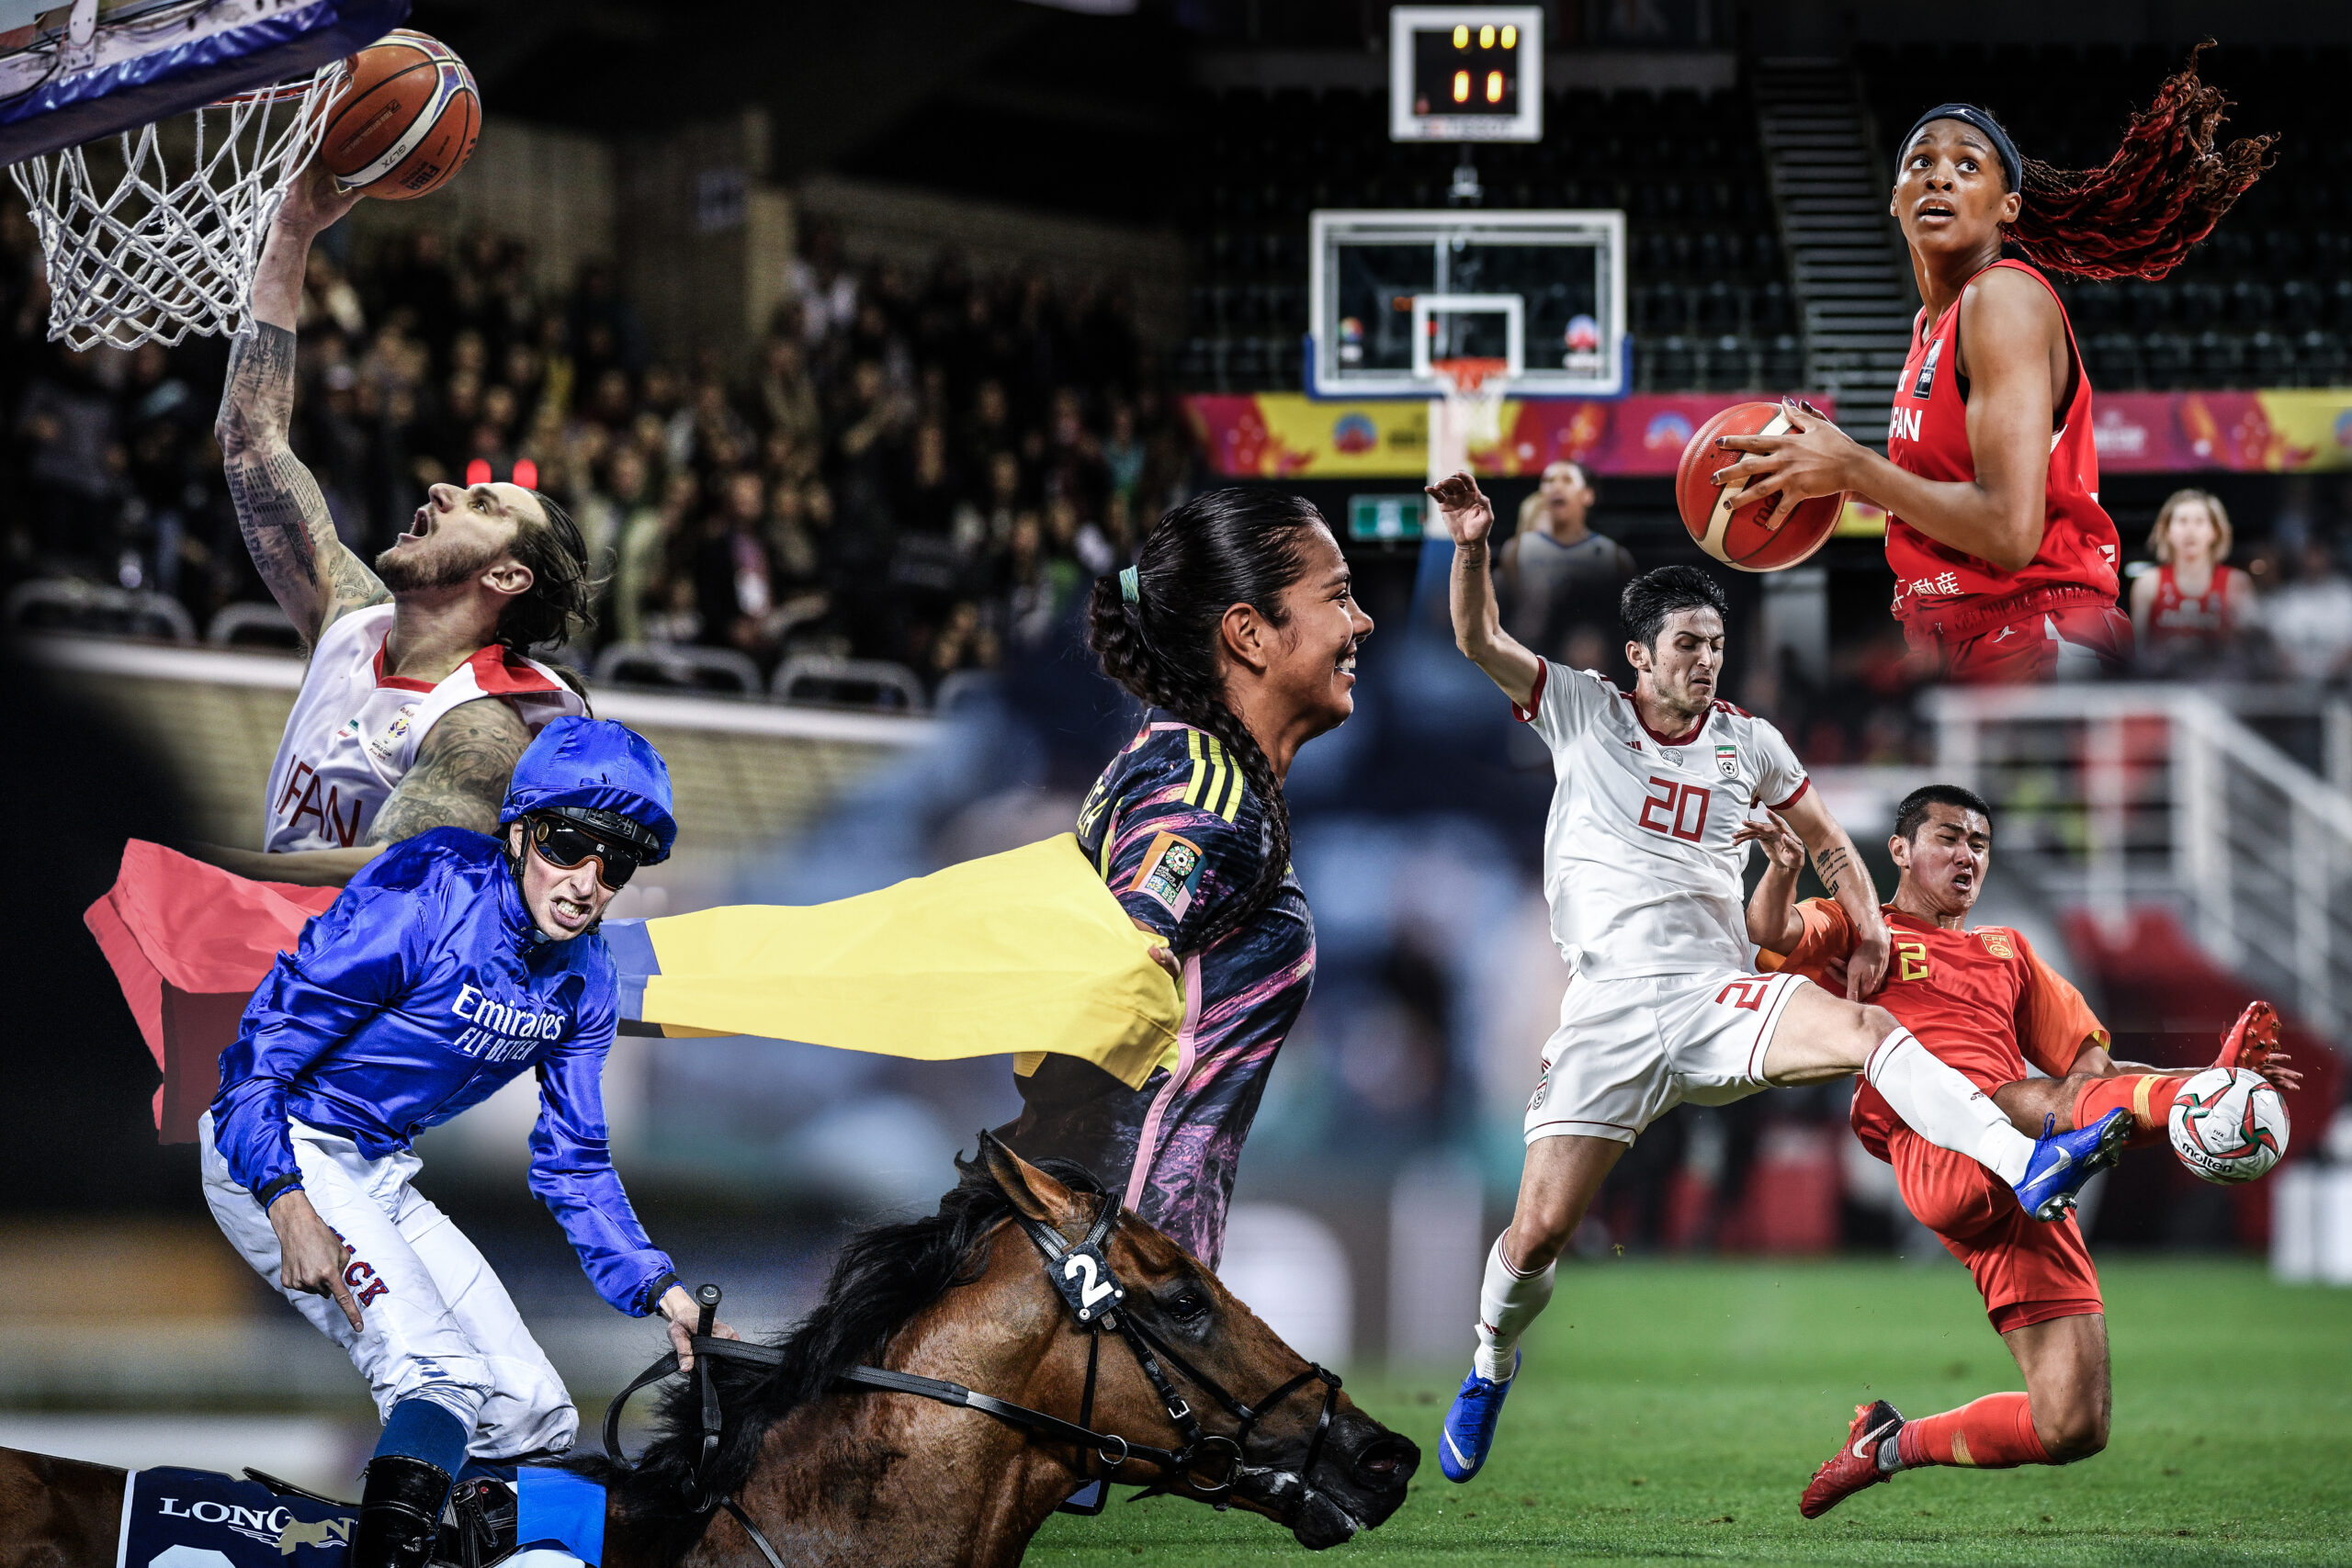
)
(400, 1513)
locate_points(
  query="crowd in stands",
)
(925, 469)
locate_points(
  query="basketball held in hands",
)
(1733, 533)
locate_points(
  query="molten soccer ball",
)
(2228, 1125)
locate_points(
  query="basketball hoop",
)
(170, 247)
(1473, 397)
(1469, 415)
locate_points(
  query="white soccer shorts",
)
(439, 1322)
(1629, 1051)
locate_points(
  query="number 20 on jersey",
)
(1676, 809)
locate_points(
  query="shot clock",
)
(1466, 74)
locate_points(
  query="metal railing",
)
(2122, 794)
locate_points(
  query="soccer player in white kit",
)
(1643, 854)
(421, 692)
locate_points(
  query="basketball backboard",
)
(1392, 293)
(73, 72)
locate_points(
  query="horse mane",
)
(885, 1274)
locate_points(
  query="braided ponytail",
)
(2165, 188)
(1225, 548)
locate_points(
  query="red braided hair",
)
(2162, 192)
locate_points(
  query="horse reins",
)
(1081, 1275)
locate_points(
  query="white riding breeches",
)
(439, 1325)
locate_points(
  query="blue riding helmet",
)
(603, 775)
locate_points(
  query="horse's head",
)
(1257, 1424)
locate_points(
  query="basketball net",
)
(1470, 414)
(169, 248)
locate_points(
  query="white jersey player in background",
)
(420, 693)
(1659, 794)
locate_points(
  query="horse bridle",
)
(1081, 1275)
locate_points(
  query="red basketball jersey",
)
(2202, 618)
(1950, 595)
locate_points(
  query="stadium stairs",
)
(1853, 292)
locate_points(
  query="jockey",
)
(452, 962)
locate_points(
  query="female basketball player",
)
(2191, 608)
(2005, 564)
(1238, 629)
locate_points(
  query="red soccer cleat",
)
(2253, 1044)
(1855, 1464)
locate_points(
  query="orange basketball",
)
(403, 119)
(1737, 535)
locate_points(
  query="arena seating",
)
(2267, 300)
(1708, 291)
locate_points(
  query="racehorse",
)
(907, 1419)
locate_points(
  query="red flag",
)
(188, 942)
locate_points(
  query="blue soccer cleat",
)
(1470, 1423)
(2063, 1161)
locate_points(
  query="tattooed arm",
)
(280, 512)
(1840, 868)
(458, 779)
(279, 509)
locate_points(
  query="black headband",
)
(1970, 115)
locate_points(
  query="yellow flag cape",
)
(1016, 954)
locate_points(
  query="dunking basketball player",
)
(391, 733)
(2005, 562)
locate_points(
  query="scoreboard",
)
(1466, 74)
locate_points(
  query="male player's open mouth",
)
(572, 914)
(419, 526)
(1347, 662)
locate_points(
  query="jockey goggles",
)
(568, 835)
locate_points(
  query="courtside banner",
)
(2285, 431)
(1010, 955)
(1291, 436)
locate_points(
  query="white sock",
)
(1508, 1302)
(1940, 1105)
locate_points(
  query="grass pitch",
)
(1673, 1411)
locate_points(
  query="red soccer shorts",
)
(2038, 646)
(2027, 1272)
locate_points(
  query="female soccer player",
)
(1238, 629)
(2191, 608)
(2005, 564)
(453, 962)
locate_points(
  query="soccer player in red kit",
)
(1982, 1001)
(2005, 562)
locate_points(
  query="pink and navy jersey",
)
(1177, 834)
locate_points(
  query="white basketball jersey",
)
(354, 730)
(1639, 866)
